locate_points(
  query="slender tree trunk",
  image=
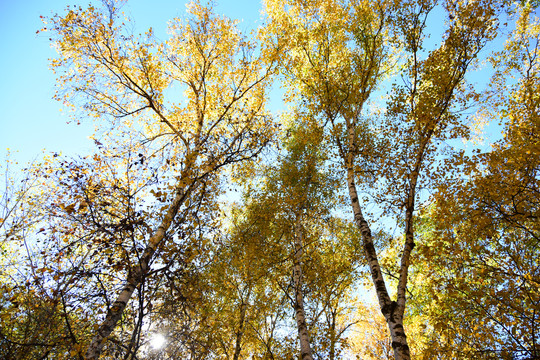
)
(332, 355)
(240, 332)
(135, 277)
(305, 346)
(389, 308)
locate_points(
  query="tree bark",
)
(305, 345)
(389, 308)
(135, 277)
(240, 332)
(332, 354)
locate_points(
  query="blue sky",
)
(30, 120)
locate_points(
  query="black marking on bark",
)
(393, 306)
(370, 249)
(379, 284)
(404, 348)
(386, 309)
(399, 345)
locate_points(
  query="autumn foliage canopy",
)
(386, 207)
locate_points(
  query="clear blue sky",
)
(29, 119)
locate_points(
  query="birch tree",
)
(338, 54)
(301, 190)
(125, 80)
(132, 240)
(294, 198)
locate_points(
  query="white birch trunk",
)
(305, 346)
(389, 308)
(135, 277)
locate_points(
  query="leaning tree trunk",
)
(390, 309)
(305, 346)
(135, 277)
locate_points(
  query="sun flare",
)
(157, 341)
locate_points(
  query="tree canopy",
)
(358, 218)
